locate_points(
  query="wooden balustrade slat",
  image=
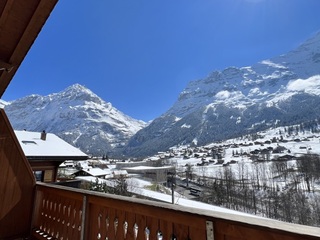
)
(59, 215)
(181, 231)
(102, 210)
(130, 217)
(198, 233)
(153, 224)
(146, 210)
(121, 217)
(141, 222)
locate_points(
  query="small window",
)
(48, 176)
(38, 175)
(28, 142)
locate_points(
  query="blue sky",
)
(140, 54)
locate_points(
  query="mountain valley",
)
(281, 91)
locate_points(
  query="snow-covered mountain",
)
(2, 103)
(280, 91)
(284, 90)
(78, 116)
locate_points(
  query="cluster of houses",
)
(48, 153)
(53, 160)
(254, 150)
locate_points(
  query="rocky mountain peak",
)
(237, 100)
(225, 104)
(78, 92)
(78, 116)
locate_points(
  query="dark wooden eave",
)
(20, 23)
(56, 158)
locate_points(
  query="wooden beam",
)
(27, 38)
(5, 14)
(5, 66)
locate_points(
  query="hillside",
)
(272, 173)
(78, 116)
(280, 91)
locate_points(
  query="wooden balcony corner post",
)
(17, 185)
(84, 221)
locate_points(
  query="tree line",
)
(280, 190)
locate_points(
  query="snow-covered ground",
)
(137, 186)
(237, 156)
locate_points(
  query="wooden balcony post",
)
(83, 220)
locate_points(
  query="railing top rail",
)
(235, 218)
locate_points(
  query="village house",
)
(45, 152)
(158, 174)
(93, 172)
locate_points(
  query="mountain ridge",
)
(236, 101)
(78, 116)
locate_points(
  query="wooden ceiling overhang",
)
(20, 23)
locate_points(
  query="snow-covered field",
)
(251, 160)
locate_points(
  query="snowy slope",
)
(2, 103)
(78, 116)
(246, 86)
(283, 90)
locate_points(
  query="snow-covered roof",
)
(33, 146)
(95, 172)
(120, 172)
(150, 168)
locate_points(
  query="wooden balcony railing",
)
(69, 214)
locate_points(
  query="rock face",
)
(279, 91)
(76, 115)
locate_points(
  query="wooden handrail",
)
(66, 213)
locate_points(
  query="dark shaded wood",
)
(20, 23)
(232, 231)
(16, 184)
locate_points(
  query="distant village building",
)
(45, 152)
(119, 173)
(158, 174)
(67, 164)
(121, 165)
(93, 172)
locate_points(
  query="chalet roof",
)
(53, 147)
(119, 172)
(144, 168)
(20, 24)
(95, 172)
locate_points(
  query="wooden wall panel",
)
(16, 184)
